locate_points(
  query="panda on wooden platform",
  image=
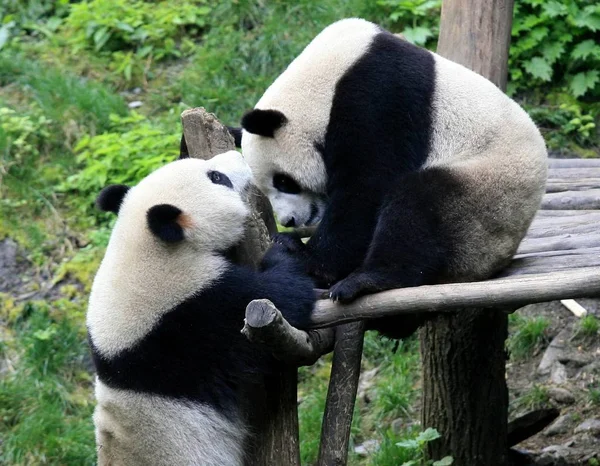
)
(165, 315)
(416, 169)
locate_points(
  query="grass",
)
(535, 398)
(527, 334)
(588, 326)
(45, 394)
(394, 392)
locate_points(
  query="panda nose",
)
(290, 223)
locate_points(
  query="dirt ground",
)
(563, 373)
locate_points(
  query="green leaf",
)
(408, 444)
(585, 49)
(583, 82)
(552, 51)
(101, 36)
(538, 68)
(554, 8)
(445, 461)
(428, 435)
(587, 19)
(4, 34)
(418, 35)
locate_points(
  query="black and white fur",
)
(165, 315)
(419, 170)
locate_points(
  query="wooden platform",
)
(558, 259)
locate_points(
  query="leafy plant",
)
(131, 150)
(554, 44)
(564, 125)
(408, 450)
(131, 32)
(417, 20)
(28, 17)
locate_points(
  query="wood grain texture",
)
(341, 395)
(475, 34)
(578, 173)
(265, 325)
(509, 292)
(569, 200)
(573, 163)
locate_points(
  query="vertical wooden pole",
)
(271, 405)
(341, 395)
(464, 388)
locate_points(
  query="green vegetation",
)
(67, 71)
(535, 398)
(588, 326)
(528, 333)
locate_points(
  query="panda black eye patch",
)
(286, 184)
(219, 178)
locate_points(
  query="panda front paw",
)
(348, 289)
(291, 241)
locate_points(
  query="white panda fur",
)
(165, 314)
(328, 125)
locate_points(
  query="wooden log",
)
(560, 185)
(560, 242)
(341, 395)
(573, 229)
(570, 217)
(509, 292)
(574, 173)
(591, 251)
(579, 200)
(271, 405)
(573, 163)
(470, 33)
(265, 325)
(540, 265)
(563, 213)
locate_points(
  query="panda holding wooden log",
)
(165, 315)
(417, 170)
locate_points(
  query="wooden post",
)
(465, 395)
(341, 395)
(272, 413)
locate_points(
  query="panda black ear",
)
(263, 122)
(164, 222)
(111, 197)
(237, 135)
(183, 150)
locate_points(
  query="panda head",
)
(287, 165)
(189, 202)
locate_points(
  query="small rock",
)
(591, 426)
(135, 104)
(559, 426)
(553, 352)
(136, 90)
(398, 425)
(573, 359)
(561, 395)
(558, 375)
(365, 382)
(367, 448)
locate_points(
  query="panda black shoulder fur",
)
(419, 170)
(165, 315)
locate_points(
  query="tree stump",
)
(465, 396)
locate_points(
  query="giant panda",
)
(165, 314)
(416, 169)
